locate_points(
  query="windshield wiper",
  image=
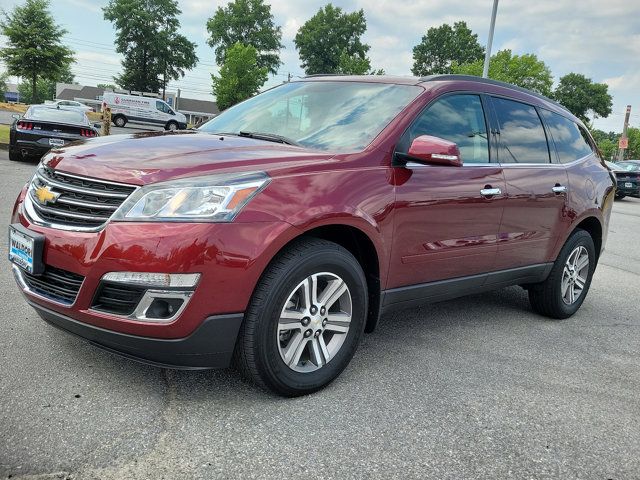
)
(269, 137)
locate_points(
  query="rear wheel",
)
(566, 287)
(14, 155)
(120, 121)
(305, 319)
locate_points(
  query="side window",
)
(457, 118)
(572, 142)
(522, 138)
(162, 106)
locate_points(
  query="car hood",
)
(151, 157)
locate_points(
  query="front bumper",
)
(229, 258)
(209, 346)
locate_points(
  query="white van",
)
(137, 109)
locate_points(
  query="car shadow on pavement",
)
(399, 334)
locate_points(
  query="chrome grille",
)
(82, 203)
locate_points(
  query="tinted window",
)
(572, 142)
(522, 138)
(457, 118)
(327, 115)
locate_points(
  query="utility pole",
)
(487, 54)
(623, 143)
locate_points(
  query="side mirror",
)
(97, 125)
(434, 151)
(15, 116)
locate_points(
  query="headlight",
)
(215, 198)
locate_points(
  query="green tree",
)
(607, 142)
(633, 152)
(4, 78)
(444, 46)
(45, 88)
(178, 55)
(583, 97)
(147, 38)
(33, 49)
(106, 86)
(331, 36)
(525, 71)
(249, 22)
(240, 76)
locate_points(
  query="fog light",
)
(163, 308)
(170, 280)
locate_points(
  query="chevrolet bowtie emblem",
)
(44, 195)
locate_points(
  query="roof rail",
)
(489, 81)
(326, 75)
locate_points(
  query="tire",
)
(14, 155)
(171, 126)
(263, 344)
(120, 121)
(547, 297)
(620, 196)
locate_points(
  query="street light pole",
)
(487, 55)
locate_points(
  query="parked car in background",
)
(71, 104)
(145, 110)
(627, 178)
(43, 127)
(277, 233)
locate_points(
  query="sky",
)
(598, 39)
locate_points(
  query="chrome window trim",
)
(17, 273)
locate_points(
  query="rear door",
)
(446, 224)
(536, 187)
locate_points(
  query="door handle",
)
(490, 192)
(559, 189)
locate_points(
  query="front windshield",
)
(331, 116)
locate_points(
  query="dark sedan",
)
(43, 127)
(628, 178)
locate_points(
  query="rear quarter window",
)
(572, 142)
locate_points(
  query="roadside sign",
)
(623, 143)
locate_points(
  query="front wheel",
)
(171, 126)
(305, 319)
(566, 287)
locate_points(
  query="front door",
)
(536, 188)
(447, 218)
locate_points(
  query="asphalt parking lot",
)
(479, 387)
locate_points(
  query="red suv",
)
(278, 233)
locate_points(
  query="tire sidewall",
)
(272, 365)
(118, 119)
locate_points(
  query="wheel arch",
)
(361, 244)
(593, 227)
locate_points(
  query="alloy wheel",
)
(314, 322)
(574, 275)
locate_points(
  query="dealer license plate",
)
(56, 142)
